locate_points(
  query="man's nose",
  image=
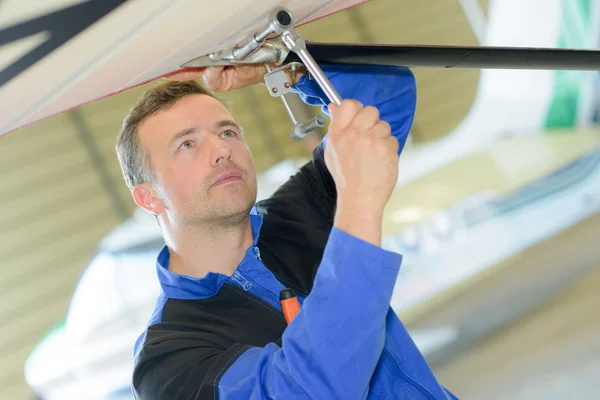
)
(221, 150)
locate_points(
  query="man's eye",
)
(229, 133)
(186, 145)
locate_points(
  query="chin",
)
(242, 207)
(240, 197)
(232, 208)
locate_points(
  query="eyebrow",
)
(181, 134)
(227, 123)
(193, 129)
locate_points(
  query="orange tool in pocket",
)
(289, 304)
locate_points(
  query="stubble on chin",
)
(230, 208)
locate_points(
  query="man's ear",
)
(145, 197)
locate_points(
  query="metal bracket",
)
(279, 86)
(281, 22)
(274, 52)
(277, 80)
(257, 50)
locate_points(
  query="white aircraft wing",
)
(59, 54)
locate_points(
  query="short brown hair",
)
(133, 157)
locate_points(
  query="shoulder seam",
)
(151, 322)
(222, 370)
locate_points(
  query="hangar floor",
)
(552, 351)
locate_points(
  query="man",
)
(217, 331)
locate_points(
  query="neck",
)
(195, 251)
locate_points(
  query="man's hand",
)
(362, 158)
(223, 79)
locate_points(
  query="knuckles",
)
(377, 139)
(384, 127)
(382, 146)
(369, 113)
(351, 106)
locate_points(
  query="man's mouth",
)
(228, 177)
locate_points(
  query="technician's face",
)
(203, 167)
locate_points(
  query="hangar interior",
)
(529, 323)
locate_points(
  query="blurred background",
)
(497, 213)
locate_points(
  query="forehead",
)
(194, 110)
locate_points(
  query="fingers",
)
(366, 119)
(213, 78)
(225, 78)
(351, 116)
(343, 115)
(393, 143)
(381, 130)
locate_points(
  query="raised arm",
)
(331, 348)
(391, 90)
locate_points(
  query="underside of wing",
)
(67, 53)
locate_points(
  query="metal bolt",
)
(274, 90)
(286, 85)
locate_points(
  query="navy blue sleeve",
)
(331, 348)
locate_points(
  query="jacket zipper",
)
(300, 295)
(258, 290)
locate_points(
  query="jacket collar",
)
(183, 287)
